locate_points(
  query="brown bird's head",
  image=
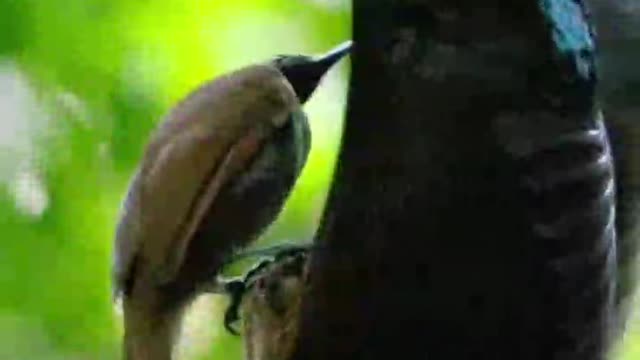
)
(304, 72)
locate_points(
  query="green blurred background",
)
(82, 84)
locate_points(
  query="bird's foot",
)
(237, 287)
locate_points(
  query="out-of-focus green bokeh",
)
(82, 84)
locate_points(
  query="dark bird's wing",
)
(625, 140)
(560, 145)
(618, 25)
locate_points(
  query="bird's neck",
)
(150, 332)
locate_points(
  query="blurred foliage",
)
(82, 84)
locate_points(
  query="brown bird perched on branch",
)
(214, 175)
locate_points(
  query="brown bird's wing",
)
(160, 195)
(127, 231)
(206, 139)
(169, 197)
(236, 160)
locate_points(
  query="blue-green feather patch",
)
(571, 33)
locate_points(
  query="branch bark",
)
(433, 244)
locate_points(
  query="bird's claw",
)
(237, 287)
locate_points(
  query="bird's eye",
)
(279, 59)
(286, 128)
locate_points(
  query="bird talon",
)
(237, 287)
(230, 318)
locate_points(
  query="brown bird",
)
(214, 175)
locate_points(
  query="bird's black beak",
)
(304, 73)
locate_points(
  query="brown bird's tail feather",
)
(151, 329)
